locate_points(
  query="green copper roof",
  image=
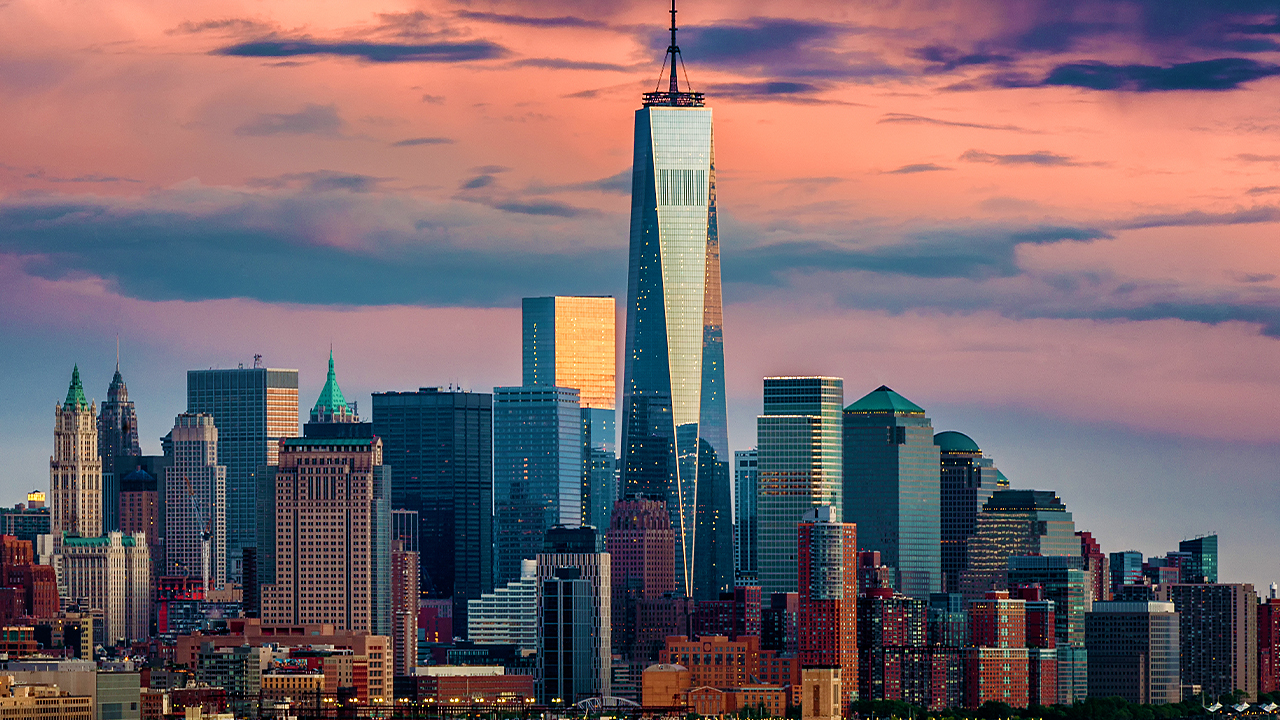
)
(885, 400)
(331, 401)
(75, 393)
(955, 442)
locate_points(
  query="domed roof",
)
(884, 400)
(951, 441)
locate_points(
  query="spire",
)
(673, 97)
(331, 406)
(75, 393)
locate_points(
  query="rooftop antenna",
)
(673, 50)
(117, 352)
(673, 97)
(257, 361)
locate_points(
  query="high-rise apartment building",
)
(1203, 567)
(75, 470)
(1218, 634)
(828, 565)
(1125, 569)
(967, 481)
(196, 502)
(1269, 643)
(253, 409)
(404, 608)
(746, 469)
(1096, 566)
(1015, 522)
(332, 527)
(892, 487)
(439, 446)
(537, 470)
(675, 441)
(111, 573)
(641, 546)
(117, 440)
(1060, 579)
(800, 466)
(569, 342)
(1134, 651)
(996, 658)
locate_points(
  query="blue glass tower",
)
(674, 434)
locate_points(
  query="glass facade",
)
(1204, 559)
(537, 471)
(746, 465)
(800, 467)
(569, 341)
(439, 446)
(1016, 522)
(675, 436)
(892, 487)
(967, 481)
(253, 409)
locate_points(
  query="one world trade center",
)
(675, 439)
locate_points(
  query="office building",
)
(404, 608)
(238, 670)
(1203, 567)
(828, 584)
(39, 701)
(572, 663)
(892, 486)
(139, 512)
(1218, 635)
(27, 520)
(1125, 570)
(800, 466)
(1015, 522)
(332, 521)
(537, 470)
(746, 468)
(196, 502)
(75, 470)
(1061, 579)
(509, 614)
(253, 409)
(111, 573)
(967, 481)
(404, 525)
(1134, 651)
(675, 441)
(117, 441)
(569, 342)
(736, 614)
(641, 547)
(439, 446)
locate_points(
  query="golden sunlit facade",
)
(569, 342)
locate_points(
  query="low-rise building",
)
(40, 701)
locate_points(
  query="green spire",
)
(75, 393)
(331, 402)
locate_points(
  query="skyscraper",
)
(674, 428)
(1218, 635)
(1016, 522)
(800, 468)
(404, 607)
(967, 481)
(569, 342)
(746, 468)
(1133, 651)
(332, 554)
(537, 470)
(75, 470)
(892, 486)
(828, 579)
(117, 439)
(195, 502)
(1204, 559)
(253, 409)
(641, 545)
(439, 445)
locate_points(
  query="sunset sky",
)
(1056, 226)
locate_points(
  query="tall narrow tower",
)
(674, 427)
(117, 440)
(75, 469)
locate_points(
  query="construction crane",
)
(206, 535)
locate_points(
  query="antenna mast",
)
(673, 97)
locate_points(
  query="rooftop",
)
(884, 400)
(955, 442)
(75, 393)
(1014, 500)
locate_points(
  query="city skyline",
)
(1100, 381)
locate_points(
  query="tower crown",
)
(75, 393)
(332, 406)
